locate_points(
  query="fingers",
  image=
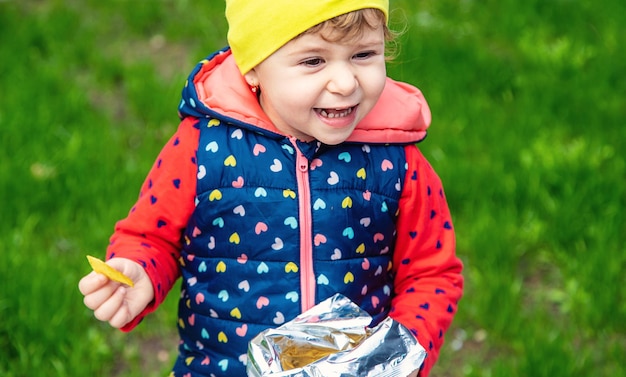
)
(95, 298)
(106, 298)
(91, 283)
(114, 308)
(113, 302)
(121, 317)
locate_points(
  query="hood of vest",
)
(216, 89)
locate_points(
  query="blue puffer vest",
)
(279, 226)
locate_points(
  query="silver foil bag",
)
(332, 340)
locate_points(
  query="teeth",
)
(332, 115)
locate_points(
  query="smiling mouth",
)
(335, 113)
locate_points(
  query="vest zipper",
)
(307, 276)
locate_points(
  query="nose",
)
(342, 80)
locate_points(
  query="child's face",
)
(314, 89)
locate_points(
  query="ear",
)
(252, 78)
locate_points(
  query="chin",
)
(334, 140)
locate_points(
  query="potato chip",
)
(108, 271)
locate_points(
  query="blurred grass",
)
(529, 108)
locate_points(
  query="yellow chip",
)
(108, 271)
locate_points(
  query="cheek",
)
(380, 83)
(283, 104)
(374, 82)
(291, 98)
(373, 92)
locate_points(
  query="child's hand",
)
(113, 302)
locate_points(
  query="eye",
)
(313, 62)
(364, 55)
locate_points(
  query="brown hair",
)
(349, 27)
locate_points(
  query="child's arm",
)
(151, 234)
(428, 282)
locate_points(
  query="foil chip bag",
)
(333, 339)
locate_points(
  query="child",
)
(293, 176)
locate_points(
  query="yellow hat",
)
(257, 28)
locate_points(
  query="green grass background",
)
(528, 135)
